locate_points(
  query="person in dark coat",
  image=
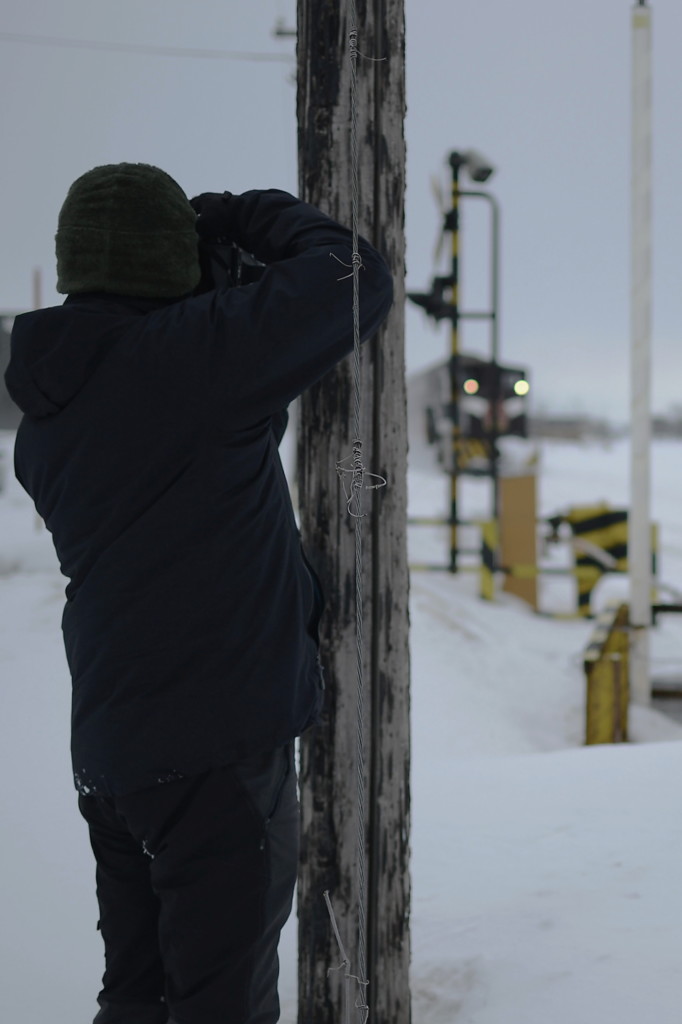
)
(153, 407)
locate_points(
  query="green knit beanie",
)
(127, 229)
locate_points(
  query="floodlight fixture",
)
(477, 166)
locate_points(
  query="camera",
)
(224, 265)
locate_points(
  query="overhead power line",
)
(155, 51)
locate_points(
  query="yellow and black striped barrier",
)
(600, 546)
(606, 673)
(583, 574)
(600, 539)
(600, 543)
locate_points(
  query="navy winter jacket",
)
(149, 447)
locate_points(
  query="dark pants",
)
(195, 880)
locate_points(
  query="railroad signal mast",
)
(487, 400)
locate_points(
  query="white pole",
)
(639, 540)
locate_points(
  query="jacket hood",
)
(55, 351)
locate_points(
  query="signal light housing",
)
(503, 388)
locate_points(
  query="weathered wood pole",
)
(328, 753)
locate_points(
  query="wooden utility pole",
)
(328, 753)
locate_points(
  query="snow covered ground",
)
(545, 874)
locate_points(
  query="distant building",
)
(569, 428)
(667, 426)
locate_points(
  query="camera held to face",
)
(224, 265)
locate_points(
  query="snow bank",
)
(545, 874)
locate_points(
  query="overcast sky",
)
(541, 87)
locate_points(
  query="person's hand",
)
(215, 217)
